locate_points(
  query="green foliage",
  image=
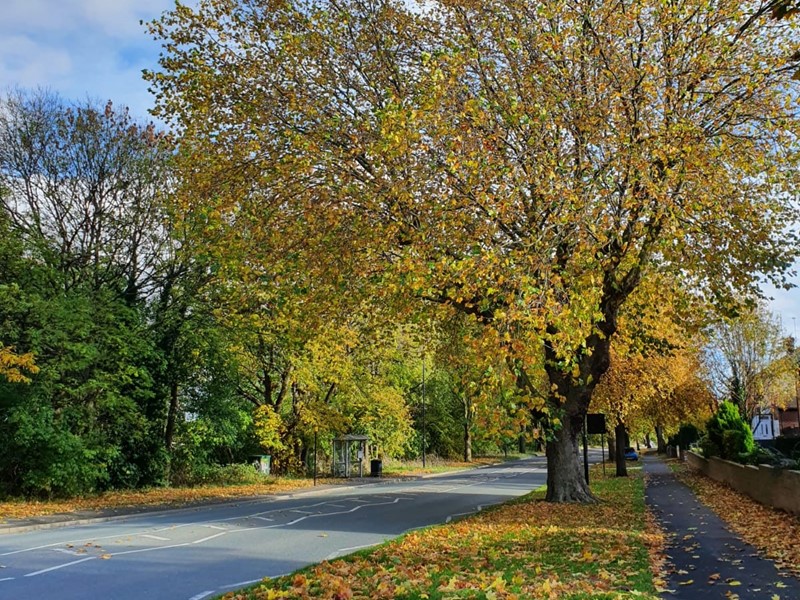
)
(727, 435)
(687, 435)
(789, 446)
(213, 474)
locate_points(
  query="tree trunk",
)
(662, 445)
(647, 441)
(612, 447)
(620, 434)
(172, 415)
(565, 478)
(467, 443)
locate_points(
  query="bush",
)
(211, 474)
(789, 446)
(687, 435)
(727, 435)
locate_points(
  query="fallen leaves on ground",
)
(22, 509)
(772, 531)
(526, 549)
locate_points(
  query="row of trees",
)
(520, 195)
(133, 354)
(530, 165)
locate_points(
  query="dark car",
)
(630, 454)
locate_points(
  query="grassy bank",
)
(525, 549)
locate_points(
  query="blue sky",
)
(80, 48)
(97, 49)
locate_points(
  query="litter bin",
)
(375, 468)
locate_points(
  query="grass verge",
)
(524, 549)
(410, 468)
(167, 497)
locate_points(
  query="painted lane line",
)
(303, 512)
(70, 552)
(336, 505)
(241, 583)
(151, 549)
(57, 567)
(217, 527)
(262, 518)
(211, 537)
(7, 579)
(202, 595)
(341, 551)
(155, 537)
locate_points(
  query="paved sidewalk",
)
(705, 559)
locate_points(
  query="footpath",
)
(704, 559)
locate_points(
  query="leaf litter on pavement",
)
(525, 549)
(774, 532)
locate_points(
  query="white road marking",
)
(57, 567)
(216, 527)
(155, 537)
(211, 537)
(151, 549)
(70, 552)
(341, 551)
(336, 505)
(202, 595)
(303, 512)
(263, 518)
(240, 584)
(7, 579)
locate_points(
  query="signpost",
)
(593, 424)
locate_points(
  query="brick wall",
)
(774, 487)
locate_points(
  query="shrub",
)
(790, 446)
(727, 435)
(687, 435)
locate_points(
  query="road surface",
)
(191, 554)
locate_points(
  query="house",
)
(765, 427)
(789, 420)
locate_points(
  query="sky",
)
(96, 49)
(81, 49)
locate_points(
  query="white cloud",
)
(80, 48)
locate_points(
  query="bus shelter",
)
(349, 454)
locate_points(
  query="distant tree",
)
(747, 362)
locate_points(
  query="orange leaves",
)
(14, 366)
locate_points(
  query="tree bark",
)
(612, 448)
(565, 478)
(467, 443)
(620, 434)
(662, 445)
(172, 416)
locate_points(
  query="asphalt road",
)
(191, 554)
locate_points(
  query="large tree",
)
(525, 163)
